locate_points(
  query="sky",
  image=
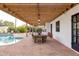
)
(5, 16)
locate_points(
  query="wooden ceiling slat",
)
(29, 12)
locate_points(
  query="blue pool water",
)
(8, 38)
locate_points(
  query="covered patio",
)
(37, 14)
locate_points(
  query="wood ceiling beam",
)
(29, 13)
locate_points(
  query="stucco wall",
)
(64, 36)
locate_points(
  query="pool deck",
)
(27, 47)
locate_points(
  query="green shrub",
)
(21, 29)
(39, 30)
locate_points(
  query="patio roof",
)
(36, 13)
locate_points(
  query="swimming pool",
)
(6, 39)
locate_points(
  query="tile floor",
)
(27, 47)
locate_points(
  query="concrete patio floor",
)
(27, 47)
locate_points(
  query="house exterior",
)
(66, 31)
(63, 24)
(3, 28)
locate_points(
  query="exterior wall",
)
(64, 36)
(47, 26)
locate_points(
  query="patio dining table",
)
(41, 38)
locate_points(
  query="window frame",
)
(58, 26)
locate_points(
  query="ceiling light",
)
(38, 20)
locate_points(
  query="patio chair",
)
(50, 34)
(34, 38)
(44, 38)
(37, 38)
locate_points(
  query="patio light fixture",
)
(39, 20)
(38, 13)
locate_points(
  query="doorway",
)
(51, 29)
(75, 32)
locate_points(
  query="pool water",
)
(8, 38)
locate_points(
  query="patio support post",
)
(15, 28)
(15, 24)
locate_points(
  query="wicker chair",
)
(44, 38)
(34, 38)
(39, 38)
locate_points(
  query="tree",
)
(10, 25)
(21, 29)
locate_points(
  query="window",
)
(58, 26)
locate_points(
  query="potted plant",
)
(39, 30)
